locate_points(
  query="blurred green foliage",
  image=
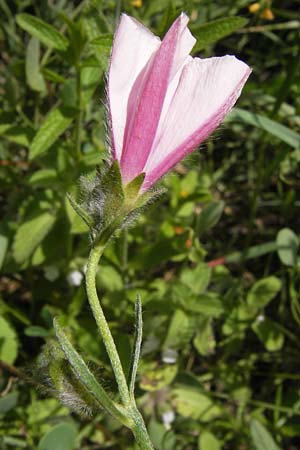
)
(215, 261)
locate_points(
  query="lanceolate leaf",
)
(33, 76)
(282, 132)
(213, 31)
(3, 247)
(137, 344)
(8, 342)
(46, 33)
(57, 121)
(210, 216)
(261, 437)
(102, 44)
(30, 234)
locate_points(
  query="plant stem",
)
(97, 310)
(79, 114)
(124, 255)
(140, 432)
(138, 428)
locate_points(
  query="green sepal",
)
(108, 205)
(132, 189)
(80, 211)
(149, 197)
(112, 186)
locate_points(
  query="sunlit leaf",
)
(56, 123)
(288, 243)
(215, 30)
(46, 33)
(30, 234)
(261, 437)
(8, 342)
(278, 130)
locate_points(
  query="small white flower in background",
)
(169, 356)
(260, 318)
(51, 273)
(75, 278)
(168, 417)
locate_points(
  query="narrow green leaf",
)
(210, 216)
(34, 77)
(36, 331)
(252, 252)
(3, 247)
(282, 132)
(50, 75)
(8, 342)
(217, 29)
(43, 178)
(90, 78)
(20, 135)
(102, 45)
(137, 345)
(85, 375)
(47, 34)
(30, 234)
(14, 442)
(56, 122)
(261, 437)
(204, 340)
(180, 331)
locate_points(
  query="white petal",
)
(185, 43)
(207, 90)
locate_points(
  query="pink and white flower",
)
(162, 102)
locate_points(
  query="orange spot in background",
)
(184, 194)
(136, 3)
(267, 14)
(188, 243)
(217, 262)
(254, 7)
(179, 230)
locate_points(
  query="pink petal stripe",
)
(145, 104)
(133, 46)
(206, 92)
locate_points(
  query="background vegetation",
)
(215, 261)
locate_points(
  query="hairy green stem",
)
(97, 310)
(140, 432)
(135, 419)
